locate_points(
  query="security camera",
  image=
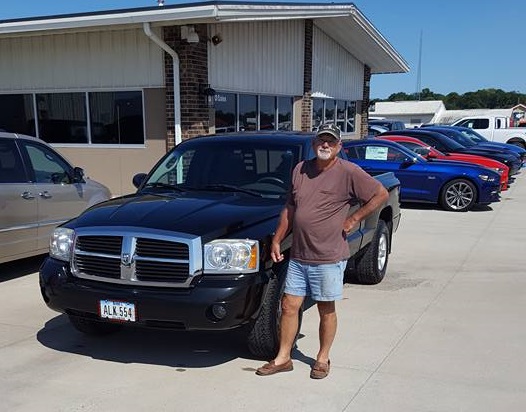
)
(216, 39)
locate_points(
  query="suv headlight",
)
(231, 255)
(61, 243)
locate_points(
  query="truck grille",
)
(138, 259)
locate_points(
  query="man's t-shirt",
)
(321, 202)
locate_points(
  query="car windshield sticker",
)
(376, 153)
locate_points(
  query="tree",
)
(481, 99)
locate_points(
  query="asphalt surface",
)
(444, 331)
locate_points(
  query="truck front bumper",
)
(235, 299)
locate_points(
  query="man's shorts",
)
(322, 282)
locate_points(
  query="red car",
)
(413, 143)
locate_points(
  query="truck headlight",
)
(61, 243)
(487, 178)
(231, 255)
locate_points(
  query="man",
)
(317, 210)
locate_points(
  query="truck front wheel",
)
(93, 327)
(372, 265)
(263, 337)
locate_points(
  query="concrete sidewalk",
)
(443, 332)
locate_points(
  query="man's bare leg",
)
(290, 306)
(327, 330)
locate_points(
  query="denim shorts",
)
(322, 282)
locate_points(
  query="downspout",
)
(177, 92)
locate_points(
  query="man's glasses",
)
(329, 140)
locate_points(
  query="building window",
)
(318, 116)
(17, 113)
(341, 112)
(61, 117)
(351, 117)
(253, 112)
(225, 109)
(267, 112)
(116, 118)
(285, 105)
(248, 112)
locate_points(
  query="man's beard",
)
(323, 154)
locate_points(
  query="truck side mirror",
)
(138, 179)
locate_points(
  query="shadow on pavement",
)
(177, 349)
(21, 267)
(138, 345)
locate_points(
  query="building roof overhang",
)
(343, 22)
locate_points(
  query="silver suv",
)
(39, 190)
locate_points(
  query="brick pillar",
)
(364, 112)
(306, 104)
(193, 71)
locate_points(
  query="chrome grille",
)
(151, 259)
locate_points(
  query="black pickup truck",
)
(190, 250)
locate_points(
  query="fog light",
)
(219, 311)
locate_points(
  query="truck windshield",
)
(211, 164)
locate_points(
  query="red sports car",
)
(413, 143)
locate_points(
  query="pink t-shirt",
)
(321, 202)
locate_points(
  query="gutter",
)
(177, 92)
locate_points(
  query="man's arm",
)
(284, 226)
(379, 197)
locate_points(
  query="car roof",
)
(9, 135)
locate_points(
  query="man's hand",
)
(349, 224)
(275, 252)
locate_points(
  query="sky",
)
(467, 45)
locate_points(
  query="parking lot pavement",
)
(443, 332)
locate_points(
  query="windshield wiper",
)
(166, 186)
(232, 188)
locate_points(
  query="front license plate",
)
(114, 310)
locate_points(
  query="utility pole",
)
(419, 69)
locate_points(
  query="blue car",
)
(456, 186)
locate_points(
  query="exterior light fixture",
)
(208, 93)
(189, 34)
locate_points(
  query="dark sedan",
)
(447, 145)
(456, 186)
(470, 138)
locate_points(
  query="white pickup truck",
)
(495, 128)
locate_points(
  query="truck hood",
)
(213, 214)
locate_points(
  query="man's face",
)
(326, 147)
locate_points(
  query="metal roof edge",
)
(375, 34)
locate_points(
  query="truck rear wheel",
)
(263, 337)
(93, 327)
(372, 265)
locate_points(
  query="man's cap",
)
(329, 129)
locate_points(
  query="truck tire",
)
(372, 265)
(93, 327)
(458, 195)
(263, 337)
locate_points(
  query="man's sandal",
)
(320, 370)
(271, 368)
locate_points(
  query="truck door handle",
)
(45, 194)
